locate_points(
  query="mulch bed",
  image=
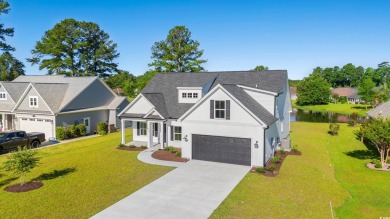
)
(127, 148)
(386, 167)
(274, 173)
(25, 188)
(168, 156)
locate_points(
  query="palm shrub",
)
(81, 129)
(102, 128)
(272, 168)
(276, 159)
(260, 169)
(21, 162)
(60, 133)
(295, 148)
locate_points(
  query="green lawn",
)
(306, 184)
(90, 176)
(346, 108)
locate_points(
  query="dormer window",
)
(3, 96)
(184, 95)
(189, 95)
(195, 95)
(33, 101)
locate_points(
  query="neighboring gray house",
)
(382, 110)
(40, 103)
(231, 117)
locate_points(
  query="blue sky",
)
(235, 35)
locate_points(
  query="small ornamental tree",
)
(334, 128)
(377, 132)
(21, 162)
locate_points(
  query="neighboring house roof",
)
(348, 92)
(293, 91)
(382, 110)
(162, 91)
(118, 91)
(250, 103)
(75, 84)
(56, 91)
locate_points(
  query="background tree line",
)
(371, 83)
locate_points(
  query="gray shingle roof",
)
(116, 102)
(52, 94)
(251, 104)
(165, 85)
(158, 101)
(75, 84)
(382, 110)
(15, 90)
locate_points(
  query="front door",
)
(87, 123)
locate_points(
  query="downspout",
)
(264, 147)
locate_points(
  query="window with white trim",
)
(3, 96)
(155, 129)
(184, 95)
(189, 95)
(195, 95)
(177, 133)
(33, 101)
(143, 127)
(220, 109)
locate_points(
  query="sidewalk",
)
(146, 157)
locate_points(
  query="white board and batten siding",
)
(240, 125)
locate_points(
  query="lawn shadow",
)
(370, 153)
(7, 181)
(55, 174)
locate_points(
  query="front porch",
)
(146, 132)
(8, 122)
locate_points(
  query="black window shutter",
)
(227, 109)
(211, 109)
(138, 130)
(172, 130)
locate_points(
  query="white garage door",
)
(37, 125)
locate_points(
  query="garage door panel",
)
(221, 149)
(37, 125)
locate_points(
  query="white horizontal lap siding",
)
(266, 100)
(24, 105)
(240, 125)
(283, 113)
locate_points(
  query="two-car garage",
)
(44, 125)
(221, 149)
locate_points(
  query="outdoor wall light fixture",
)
(257, 144)
(185, 138)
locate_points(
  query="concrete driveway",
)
(193, 190)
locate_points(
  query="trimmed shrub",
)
(81, 129)
(132, 146)
(143, 147)
(121, 145)
(282, 151)
(71, 131)
(102, 128)
(295, 148)
(178, 153)
(334, 128)
(272, 168)
(60, 133)
(260, 169)
(276, 159)
(377, 163)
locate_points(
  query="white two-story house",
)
(230, 117)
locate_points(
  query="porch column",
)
(3, 121)
(123, 131)
(5, 124)
(161, 135)
(150, 134)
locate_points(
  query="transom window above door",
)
(33, 101)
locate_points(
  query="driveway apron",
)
(193, 190)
